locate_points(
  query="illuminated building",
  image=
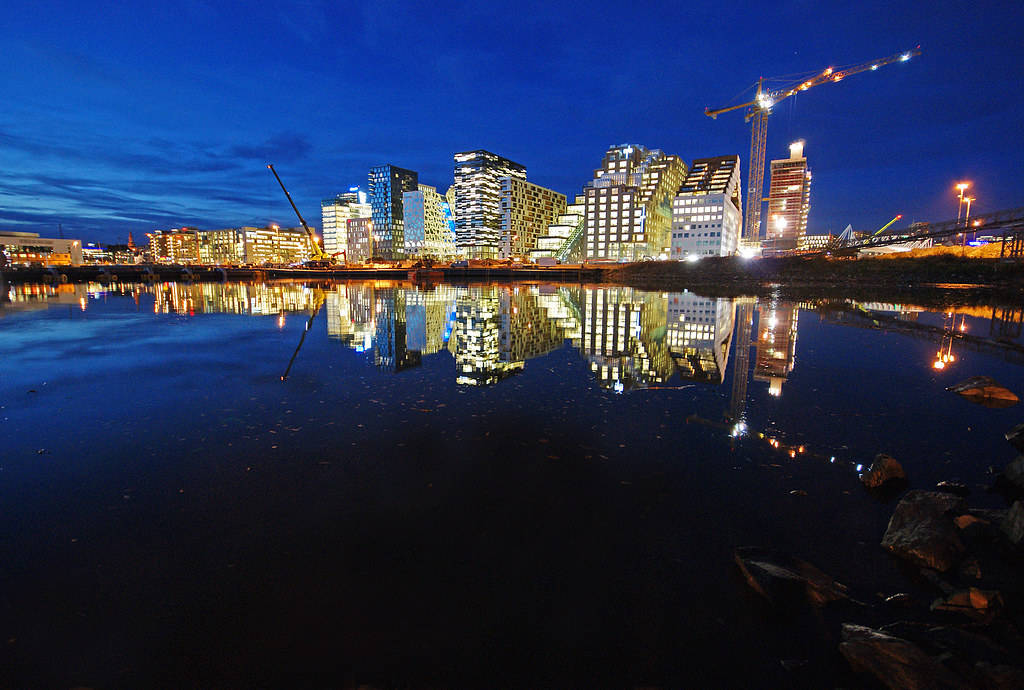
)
(706, 213)
(526, 211)
(699, 334)
(429, 224)
(789, 200)
(387, 185)
(481, 316)
(629, 204)
(561, 231)
(619, 336)
(815, 242)
(776, 343)
(249, 245)
(334, 212)
(175, 246)
(477, 188)
(29, 248)
(359, 238)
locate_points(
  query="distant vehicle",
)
(547, 261)
(464, 263)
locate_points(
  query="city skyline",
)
(164, 116)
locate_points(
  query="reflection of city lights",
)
(939, 364)
(280, 321)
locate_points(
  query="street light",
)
(967, 217)
(962, 187)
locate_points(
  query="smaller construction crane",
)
(320, 258)
(886, 226)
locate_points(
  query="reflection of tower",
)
(391, 350)
(776, 344)
(741, 367)
(698, 330)
(478, 338)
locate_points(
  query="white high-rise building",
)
(334, 212)
(707, 217)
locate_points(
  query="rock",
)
(894, 662)
(901, 600)
(986, 391)
(1016, 437)
(785, 580)
(999, 677)
(1014, 473)
(974, 603)
(922, 530)
(1013, 523)
(884, 468)
(936, 580)
(945, 639)
(955, 488)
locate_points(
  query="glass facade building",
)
(387, 185)
(429, 224)
(478, 176)
(334, 212)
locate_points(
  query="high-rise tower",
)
(789, 200)
(387, 184)
(477, 187)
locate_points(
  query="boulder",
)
(894, 662)
(999, 677)
(784, 580)
(974, 603)
(885, 468)
(955, 488)
(1013, 523)
(1016, 437)
(986, 391)
(1014, 473)
(922, 530)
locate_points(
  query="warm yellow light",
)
(939, 364)
(963, 185)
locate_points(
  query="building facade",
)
(334, 212)
(527, 210)
(29, 248)
(175, 246)
(250, 245)
(359, 238)
(477, 187)
(387, 185)
(706, 213)
(789, 201)
(429, 224)
(628, 204)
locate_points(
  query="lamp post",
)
(962, 187)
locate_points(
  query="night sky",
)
(137, 116)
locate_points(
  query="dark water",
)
(488, 486)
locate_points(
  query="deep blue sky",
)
(146, 115)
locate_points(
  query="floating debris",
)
(985, 391)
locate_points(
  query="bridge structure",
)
(1008, 225)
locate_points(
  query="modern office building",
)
(562, 237)
(387, 185)
(359, 237)
(250, 245)
(29, 248)
(629, 204)
(429, 224)
(334, 212)
(776, 343)
(478, 176)
(706, 213)
(526, 211)
(789, 200)
(699, 333)
(174, 246)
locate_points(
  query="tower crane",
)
(757, 114)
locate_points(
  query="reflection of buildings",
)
(741, 367)
(776, 343)
(623, 336)
(391, 350)
(480, 358)
(699, 333)
(231, 298)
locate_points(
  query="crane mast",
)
(318, 252)
(757, 112)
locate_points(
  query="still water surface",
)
(249, 484)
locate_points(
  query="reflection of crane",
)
(319, 297)
(319, 255)
(758, 111)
